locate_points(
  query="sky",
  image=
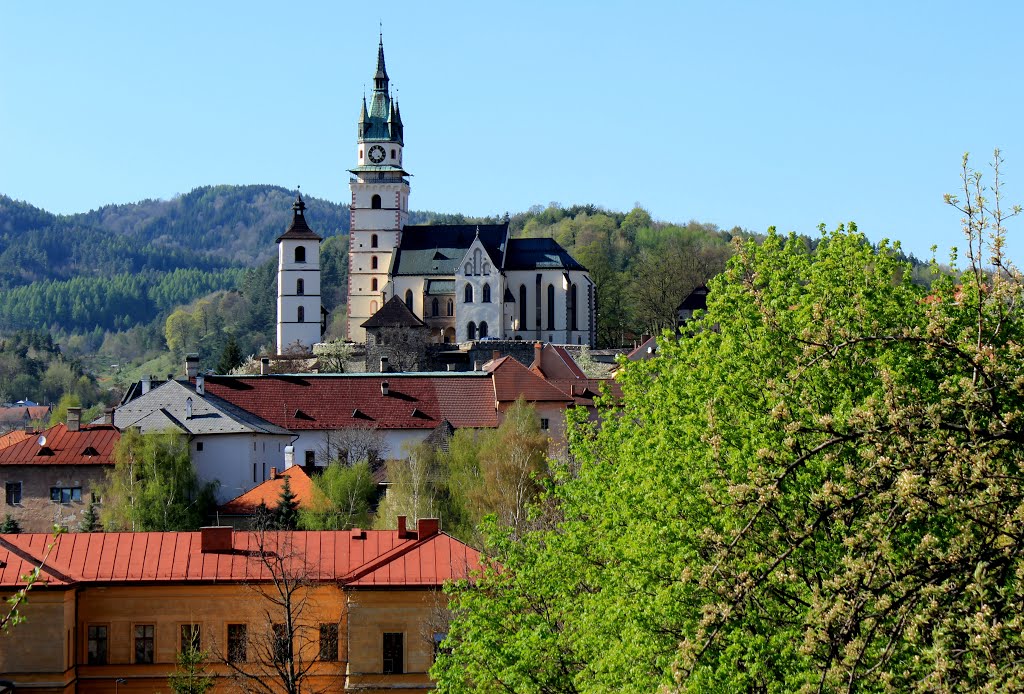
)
(751, 114)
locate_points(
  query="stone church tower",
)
(300, 323)
(380, 201)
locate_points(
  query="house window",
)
(236, 643)
(545, 424)
(300, 254)
(300, 287)
(393, 653)
(145, 635)
(551, 307)
(375, 202)
(483, 329)
(468, 294)
(435, 307)
(65, 495)
(451, 308)
(373, 262)
(522, 307)
(12, 492)
(408, 299)
(190, 639)
(487, 293)
(373, 241)
(282, 644)
(96, 635)
(310, 458)
(471, 330)
(199, 446)
(329, 642)
(302, 314)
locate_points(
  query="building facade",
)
(300, 314)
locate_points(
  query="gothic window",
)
(373, 262)
(487, 268)
(551, 307)
(375, 202)
(300, 254)
(408, 298)
(300, 286)
(476, 262)
(468, 298)
(451, 308)
(373, 241)
(373, 284)
(435, 307)
(522, 307)
(469, 269)
(572, 308)
(302, 314)
(487, 293)
(471, 330)
(483, 329)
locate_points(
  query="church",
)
(465, 282)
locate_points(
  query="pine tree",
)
(286, 514)
(230, 357)
(90, 522)
(263, 518)
(10, 526)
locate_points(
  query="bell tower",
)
(299, 321)
(380, 201)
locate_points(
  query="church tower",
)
(299, 320)
(380, 201)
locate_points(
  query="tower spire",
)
(380, 79)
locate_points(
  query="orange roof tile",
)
(512, 380)
(270, 491)
(90, 445)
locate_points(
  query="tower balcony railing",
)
(373, 178)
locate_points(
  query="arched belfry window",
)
(522, 307)
(373, 241)
(573, 323)
(487, 294)
(373, 284)
(551, 307)
(302, 314)
(300, 286)
(471, 330)
(468, 298)
(483, 329)
(300, 254)
(408, 298)
(451, 307)
(375, 202)
(435, 307)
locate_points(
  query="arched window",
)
(471, 330)
(373, 241)
(375, 202)
(468, 298)
(408, 298)
(572, 308)
(373, 262)
(522, 307)
(483, 329)
(300, 254)
(300, 286)
(392, 153)
(551, 307)
(373, 307)
(373, 284)
(487, 293)
(302, 314)
(451, 308)
(435, 307)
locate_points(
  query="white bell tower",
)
(299, 321)
(380, 201)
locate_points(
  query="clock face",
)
(376, 154)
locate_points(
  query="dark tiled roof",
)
(441, 436)
(538, 254)
(695, 300)
(440, 287)
(394, 313)
(298, 229)
(438, 249)
(512, 380)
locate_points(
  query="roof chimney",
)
(383, 365)
(273, 473)
(495, 354)
(451, 367)
(147, 383)
(427, 527)
(289, 456)
(108, 416)
(264, 366)
(476, 365)
(191, 365)
(74, 418)
(215, 538)
(384, 388)
(401, 527)
(537, 349)
(200, 384)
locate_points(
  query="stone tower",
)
(380, 201)
(299, 320)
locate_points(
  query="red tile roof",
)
(366, 559)
(341, 401)
(270, 491)
(90, 445)
(556, 362)
(512, 380)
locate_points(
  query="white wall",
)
(229, 459)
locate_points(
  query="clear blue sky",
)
(750, 114)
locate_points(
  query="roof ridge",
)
(383, 559)
(44, 566)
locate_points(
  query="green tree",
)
(10, 525)
(343, 498)
(231, 357)
(286, 513)
(59, 414)
(415, 490)
(153, 485)
(90, 522)
(191, 676)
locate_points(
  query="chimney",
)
(215, 538)
(383, 365)
(476, 365)
(74, 418)
(200, 384)
(495, 354)
(29, 428)
(401, 527)
(384, 388)
(289, 456)
(108, 416)
(537, 349)
(427, 527)
(451, 367)
(264, 366)
(191, 365)
(273, 473)
(147, 383)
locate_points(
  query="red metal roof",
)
(366, 559)
(90, 445)
(340, 401)
(512, 380)
(270, 491)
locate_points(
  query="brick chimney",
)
(215, 538)
(264, 366)
(401, 527)
(427, 527)
(273, 473)
(108, 416)
(495, 354)
(191, 365)
(537, 349)
(74, 418)
(384, 365)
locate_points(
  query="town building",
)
(115, 609)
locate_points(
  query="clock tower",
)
(380, 201)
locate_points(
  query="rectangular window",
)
(237, 640)
(545, 424)
(145, 635)
(12, 491)
(190, 638)
(393, 653)
(329, 642)
(199, 446)
(310, 458)
(65, 495)
(282, 645)
(97, 644)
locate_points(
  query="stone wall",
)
(37, 513)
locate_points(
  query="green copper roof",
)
(383, 120)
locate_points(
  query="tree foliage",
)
(817, 490)
(343, 498)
